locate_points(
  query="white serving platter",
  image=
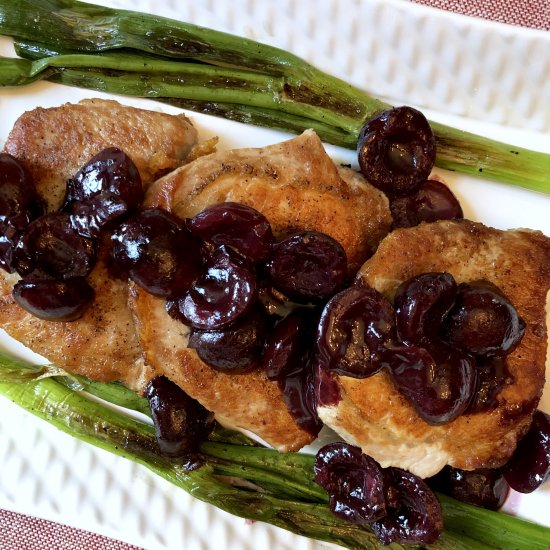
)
(487, 78)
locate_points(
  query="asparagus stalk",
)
(251, 482)
(111, 430)
(454, 512)
(302, 96)
(78, 26)
(185, 85)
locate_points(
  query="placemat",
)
(534, 14)
(24, 532)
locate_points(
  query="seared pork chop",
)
(295, 184)
(297, 187)
(374, 415)
(53, 144)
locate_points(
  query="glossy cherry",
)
(19, 205)
(485, 487)
(236, 225)
(157, 252)
(288, 359)
(529, 466)
(440, 388)
(413, 512)
(288, 344)
(110, 170)
(298, 389)
(19, 202)
(181, 423)
(396, 150)
(431, 202)
(52, 246)
(104, 189)
(483, 321)
(91, 216)
(235, 348)
(355, 326)
(308, 266)
(420, 305)
(354, 481)
(54, 300)
(223, 294)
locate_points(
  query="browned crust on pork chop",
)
(296, 186)
(101, 345)
(247, 401)
(373, 414)
(53, 144)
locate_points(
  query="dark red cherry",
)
(355, 326)
(105, 188)
(529, 466)
(483, 321)
(288, 343)
(354, 482)
(414, 514)
(396, 150)
(19, 205)
(236, 225)
(181, 423)
(432, 201)
(420, 305)
(91, 216)
(440, 388)
(485, 487)
(288, 359)
(155, 249)
(298, 389)
(110, 170)
(223, 294)
(54, 300)
(19, 202)
(492, 376)
(308, 266)
(235, 348)
(327, 389)
(52, 246)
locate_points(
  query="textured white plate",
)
(487, 78)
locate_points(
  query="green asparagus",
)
(83, 45)
(243, 479)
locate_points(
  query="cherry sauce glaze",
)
(485, 487)
(19, 205)
(253, 302)
(54, 252)
(181, 423)
(398, 505)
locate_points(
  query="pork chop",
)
(295, 184)
(297, 187)
(53, 144)
(374, 415)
